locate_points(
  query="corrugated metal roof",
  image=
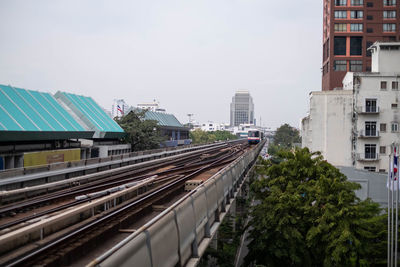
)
(26, 110)
(163, 119)
(91, 114)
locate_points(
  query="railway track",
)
(178, 165)
(159, 187)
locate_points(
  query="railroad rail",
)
(93, 214)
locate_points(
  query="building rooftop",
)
(33, 115)
(90, 115)
(163, 119)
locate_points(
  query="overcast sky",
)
(190, 55)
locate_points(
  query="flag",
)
(120, 110)
(393, 170)
(395, 165)
(390, 174)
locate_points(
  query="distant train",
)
(254, 136)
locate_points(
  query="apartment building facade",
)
(356, 126)
(350, 27)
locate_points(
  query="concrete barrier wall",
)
(174, 237)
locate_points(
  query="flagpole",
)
(397, 207)
(389, 254)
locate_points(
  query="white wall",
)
(328, 127)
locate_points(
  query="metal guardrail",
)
(367, 109)
(368, 134)
(188, 225)
(367, 156)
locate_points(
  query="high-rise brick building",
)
(350, 27)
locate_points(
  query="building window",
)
(356, 14)
(389, 14)
(394, 105)
(395, 127)
(370, 168)
(356, 27)
(382, 127)
(370, 4)
(340, 2)
(389, 2)
(387, 47)
(389, 27)
(370, 151)
(370, 17)
(339, 45)
(356, 46)
(340, 65)
(370, 30)
(356, 65)
(370, 128)
(382, 150)
(395, 85)
(383, 85)
(340, 27)
(370, 105)
(357, 2)
(340, 14)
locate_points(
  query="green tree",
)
(286, 136)
(141, 134)
(307, 214)
(224, 135)
(200, 137)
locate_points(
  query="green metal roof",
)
(89, 113)
(33, 115)
(163, 119)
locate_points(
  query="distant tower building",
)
(119, 108)
(242, 109)
(350, 27)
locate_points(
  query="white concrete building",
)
(213, 126)
(153, 106)
(357, 125)
(328, 126)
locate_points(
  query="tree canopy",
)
(199, 136)
(141, 134)
(307, 214)
(286, 136)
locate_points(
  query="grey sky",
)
(191, 55)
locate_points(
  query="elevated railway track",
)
(66, 219)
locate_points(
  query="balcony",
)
(373, 110)
(368, 134)
(367, 156)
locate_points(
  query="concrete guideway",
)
(188, 226)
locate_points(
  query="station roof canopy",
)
(88, 113)
(32, 115)
(163, 119)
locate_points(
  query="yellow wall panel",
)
(51, 156)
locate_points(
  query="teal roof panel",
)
(163, 119)
(91, 114)
(32, 115)
(62, 115)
